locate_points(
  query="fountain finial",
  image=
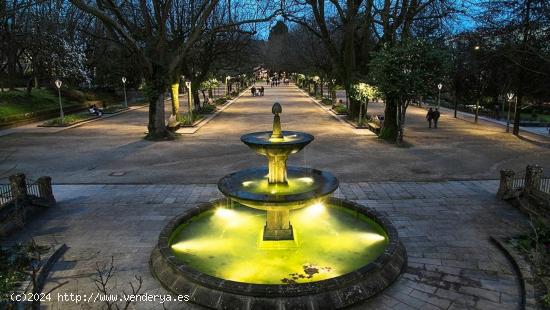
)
(277, 133)
(276, 109)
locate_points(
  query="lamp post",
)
(478, 48)
(509, 96)
(124, 85)
(190, 113)
(439, 86)
(515, 111)
(58, 84)
(227, 78)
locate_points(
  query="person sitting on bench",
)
(95, 110)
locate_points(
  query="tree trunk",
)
(401, 113)
(175, 98)
(517, 115)
(196, 98)
(352, 104)
(157, 127)
(12, 59)
(389, 130)
(29, 86)
(204, 101)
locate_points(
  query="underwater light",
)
(315, 209)
(225, 213)
(372, 237)
(247, 183)
(307, 180)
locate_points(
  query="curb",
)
(101, 117)
(191, 130)
(528, 283)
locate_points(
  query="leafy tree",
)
(404, 72)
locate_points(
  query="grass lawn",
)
(15, 105)
(184, 119)
(545, 118)
(69, 120)
(340, 109)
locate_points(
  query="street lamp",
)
(478, 48)
(124, 85)
(58, 84)
(190, 113)
(439, 86)
(509, 96)
(227, 78)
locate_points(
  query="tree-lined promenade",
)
(474, 56)
(92, 152)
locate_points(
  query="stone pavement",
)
(445, 227)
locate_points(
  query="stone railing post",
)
(533, 174)
(18, 185)
(45, 189)
(506, 183)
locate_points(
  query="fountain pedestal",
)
(278, 226)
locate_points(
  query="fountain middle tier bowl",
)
(292, 142)
(304, 186)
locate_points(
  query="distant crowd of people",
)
(276, 81)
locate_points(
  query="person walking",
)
(430, 117)
(436, 116)
(261, 90)
(253, 90)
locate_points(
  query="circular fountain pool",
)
(346, 254)
(330, 241)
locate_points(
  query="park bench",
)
(375, 125)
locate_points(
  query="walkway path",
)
(93, 152)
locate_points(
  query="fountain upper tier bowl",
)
(263, 142)
(252, 188)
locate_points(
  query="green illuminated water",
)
(295, 185)
(226, 243)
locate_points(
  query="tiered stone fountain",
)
(328, 253)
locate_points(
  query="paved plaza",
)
(445, 227)
(116, 191)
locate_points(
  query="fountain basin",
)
(304, 186)
(225, 292)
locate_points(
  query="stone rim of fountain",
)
(340, 291)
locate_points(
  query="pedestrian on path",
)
(261, 90)
(430, 117)
(436, 116)
(253, 90)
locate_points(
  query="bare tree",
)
(160, 33)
